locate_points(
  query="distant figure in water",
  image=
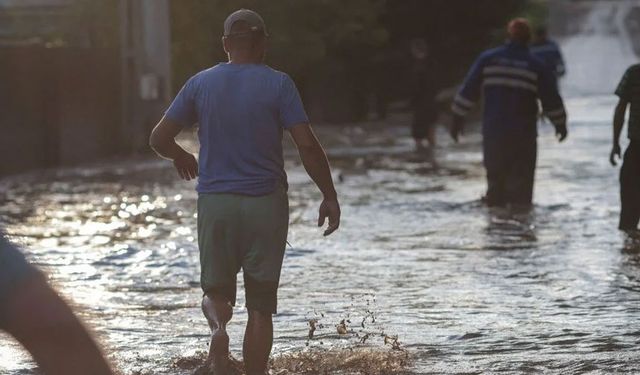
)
(512, 80)
(33, 313)
(243, 107)
(548, 51)
(423, 94)
(628, 92)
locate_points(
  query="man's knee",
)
(217, 309)
(260, 316)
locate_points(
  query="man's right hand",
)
(561, 132)
(615, 151)
(329, 208)
(457, 127)
(186, 165)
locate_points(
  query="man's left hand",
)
(615, 151)
(457, 127)
(330, 208)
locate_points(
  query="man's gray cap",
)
(253, 19)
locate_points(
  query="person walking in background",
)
(548, 52)
(33, 313)
(243, 107)
(628, 92)
(423, 94)
(512, 80)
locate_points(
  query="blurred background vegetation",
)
(345, 56)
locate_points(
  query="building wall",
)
(57, 106)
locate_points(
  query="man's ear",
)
(225, 41)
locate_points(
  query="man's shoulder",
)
(202, 75)
(493, 52)
(221, 71)
(280, 75)
(503, 55)
(537, 63)
(631, 76)
(218, 68)
(634, 69)
(550, 43)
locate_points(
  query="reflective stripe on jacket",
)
(512, 81)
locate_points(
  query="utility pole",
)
(145, 40)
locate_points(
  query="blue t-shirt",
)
(242, 110)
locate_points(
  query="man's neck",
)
(244, 60)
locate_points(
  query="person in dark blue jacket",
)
(548, 51)
(512, 81)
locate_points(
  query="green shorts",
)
(243, 232)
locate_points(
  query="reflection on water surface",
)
(466, 289)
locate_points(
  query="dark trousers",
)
(510, 163)
(424, 116)
(630, 188)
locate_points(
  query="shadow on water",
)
(631, 244)
(511, 228)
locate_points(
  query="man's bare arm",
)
(618, 123)
(163, 142)
(316, 164)
(47, 327)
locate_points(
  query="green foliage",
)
(94, 23)
(456, 30)
(341, 51)
(85, 23)
(303, 33)
(537, 12)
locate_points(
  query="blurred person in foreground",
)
(33, 313)
(548, 52)
(423, 94)
(243, 107)
(513, 81)
(628, 92)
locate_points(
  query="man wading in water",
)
(628, 92)
(512, 80)
(242, 108)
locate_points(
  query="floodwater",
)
(465, 289)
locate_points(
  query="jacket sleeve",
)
(470, 91)
(552, 104)
(561, 68)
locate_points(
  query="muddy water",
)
(466, 289)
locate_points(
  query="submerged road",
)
(466, 289)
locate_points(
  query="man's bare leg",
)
(218, 312)
(258, 339)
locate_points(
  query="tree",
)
(337, 50)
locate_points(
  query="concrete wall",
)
(57, 106)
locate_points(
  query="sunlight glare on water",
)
(464, 287)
